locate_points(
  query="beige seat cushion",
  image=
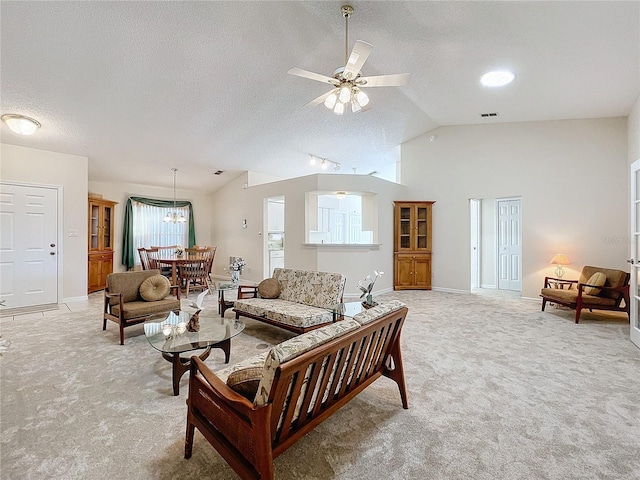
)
(269, 288)
(155, 288)
(598, 279)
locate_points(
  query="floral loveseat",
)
(302, 301)
(253, 411)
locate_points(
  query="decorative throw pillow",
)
(155, 288)
(245, 381)
(598, 279)
(269, 288)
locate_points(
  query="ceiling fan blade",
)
(397, 80)
(319, 100)
(313, 76)
(359, 55)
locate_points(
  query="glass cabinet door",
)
(405, 228)
(106, 228)
(421, 228)
(94, 226)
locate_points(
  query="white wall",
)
(120, 192)
(39, 167)
(571, 176)
(234, 203)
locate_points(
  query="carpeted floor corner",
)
(497, 390)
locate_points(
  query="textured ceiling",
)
(140, 87)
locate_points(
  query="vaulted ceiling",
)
(141, 87)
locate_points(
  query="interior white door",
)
(635, 252)
(28, 245)
(509, 245)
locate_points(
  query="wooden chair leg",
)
(121, 334)
(188, 441)
(104, 323)
(544, 302)
(578, 310)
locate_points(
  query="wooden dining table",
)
(173, 260)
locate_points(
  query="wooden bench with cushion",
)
(296, 300)
(597, 289)
(255, 410)
(130, 297)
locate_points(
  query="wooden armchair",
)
(597, 289)
(124, 305)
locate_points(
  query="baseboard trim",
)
(82, 298)
(450, 290)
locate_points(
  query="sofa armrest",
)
(247, 291)
(222, 390)
(107, 303)
(547, 281)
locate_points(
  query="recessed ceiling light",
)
(20, 124)
(497, 79)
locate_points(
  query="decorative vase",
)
(235, 276)
(368, 302)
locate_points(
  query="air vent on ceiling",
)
(491, 114)
(219, 172)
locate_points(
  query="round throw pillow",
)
(598, 279)
(269, 288)
(245, 381)
(155, 288)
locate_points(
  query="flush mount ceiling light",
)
(325, 163)
(498, 78)
(346, 80)
(173, 216)
(20, 124)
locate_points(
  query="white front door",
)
(28, 245)
(509, 245)
(635, 251)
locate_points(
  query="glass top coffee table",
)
(168, 333)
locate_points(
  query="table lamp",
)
(559, 260)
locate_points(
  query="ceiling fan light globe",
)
(167, 218)
(182, 219)
(339, 108)
(345, 94)
(331, 100)
(355, 106)
(362, 98)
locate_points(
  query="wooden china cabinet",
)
(100, 242)
(412, 245)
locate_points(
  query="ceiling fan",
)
(347, 80)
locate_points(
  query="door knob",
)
(52, 253)
(52, 245)
(630, 261)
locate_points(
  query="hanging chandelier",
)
(173, 216)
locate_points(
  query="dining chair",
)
(194, 273)
(146, 258)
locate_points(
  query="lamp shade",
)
(560, 259)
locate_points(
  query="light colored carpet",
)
(497, 390)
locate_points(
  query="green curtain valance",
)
(128, 253)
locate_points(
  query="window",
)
(149, 229)
(344, 219)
